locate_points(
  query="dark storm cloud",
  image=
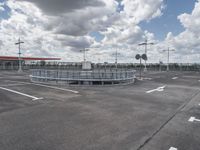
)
(56, 7)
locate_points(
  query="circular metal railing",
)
(83, 77)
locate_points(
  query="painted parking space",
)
(47, 86)
(174, 78)
(158, 89)
(193, 119)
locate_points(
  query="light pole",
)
(116, 58)
(19, 58)
(168, 50)
(140, 57)
(145, 45)
(84, 53)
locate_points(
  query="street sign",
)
(138, 56)
(144, 56)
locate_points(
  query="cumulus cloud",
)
(2, 7)
(58, 7)
(63, 27)
(187, 43)
(75, 18)
(140, 10)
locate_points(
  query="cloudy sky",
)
(61, 28)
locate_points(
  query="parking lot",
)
(159, 112)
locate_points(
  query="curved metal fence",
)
(70, 75)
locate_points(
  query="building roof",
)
(26, 58)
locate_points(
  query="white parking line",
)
(52, 87)
(192, 119)
(15, 84)
(57, 88)
(173, 148)
(159, 89)
(174, 78)
(23, 94)
(147, 78)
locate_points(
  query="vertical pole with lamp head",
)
(19, 53)
(145, 44)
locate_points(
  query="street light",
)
(19, 58)
(145, 44)
(168, 50)
(84, 53)
(116, 57)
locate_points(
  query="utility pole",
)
(19, 53)
(168, 50)
(145, 46)
(84, 53)
(116, 58)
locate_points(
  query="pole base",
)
(20, 71)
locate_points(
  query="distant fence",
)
(152, 67)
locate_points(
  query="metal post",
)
(168, 60)
(140, 67)
(168, 50)
(116, 55)
(84, 53)
(145, 66)
(19, 58)
(145, 44)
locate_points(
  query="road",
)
(151, 114)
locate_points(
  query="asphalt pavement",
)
(161, 111)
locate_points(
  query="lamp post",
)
(84, 53)
(145, 45)
(19, 53)
(116, 58)
(168, 50)
(140, 57)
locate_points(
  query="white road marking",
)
(147, 78)
(52, 87)
(192, 119)
(23, 94)
(173, 148)
(174, 78)
(57, 88)
(159, 89)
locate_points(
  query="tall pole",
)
(19, 53)
(145, 44)
(116, 58)
(168, 60)
(116, 55)
(84, 53)
(168, 50)
(140, 68)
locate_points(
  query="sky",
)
(62, 28)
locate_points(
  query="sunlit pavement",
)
(159, 112)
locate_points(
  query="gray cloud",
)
(74, 17)
(76, 43)
(57, 7)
